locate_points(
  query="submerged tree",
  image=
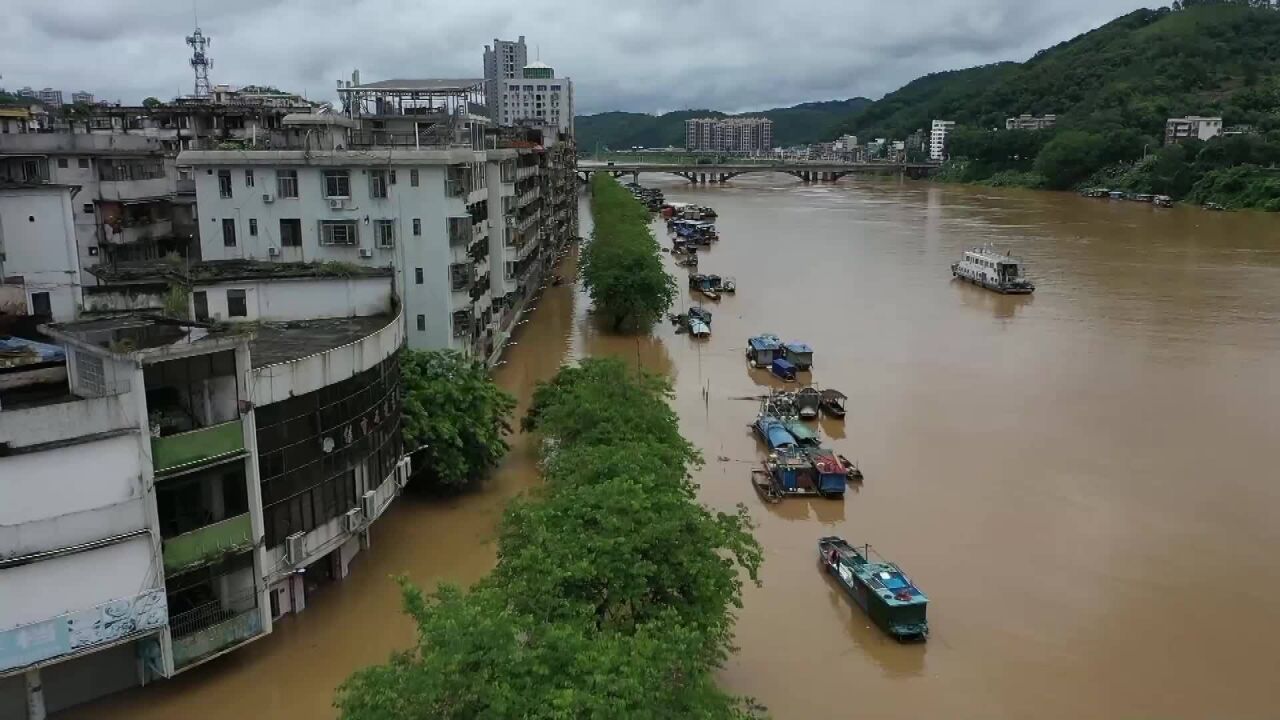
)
(454, 414)
(622, 265)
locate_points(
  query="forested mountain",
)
(1113, 89)
(800, 124)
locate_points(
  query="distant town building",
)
(1026, 121)
(28, 92)
(1191, 127)
(503, 60)
(749, 135)
(847, 142)
(82, 97)
(537, 95)
(938, 132)
(49, 96)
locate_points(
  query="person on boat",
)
(833, 557)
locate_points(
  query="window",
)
(417, 275)
(339, 232)
(377, 183)
(287, 183)
(62, 163)
(248, 178)
(422, 323)
(393, 176)
(417, 226)
(337, 184)
(460, 276)
(201, 300)
(384, 233)
(228, 232)
(224, 183)
(413, 178)
(237, 304)
(88, 208)
(83, 163)
(40, 304)
(511, 271)
(290, 232)
(253, 227)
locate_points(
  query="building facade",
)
(938, 132)
(1192, 127)
(537, 95)
(750, 136)
(1026, 121)
(82, 97)
(49, 96)
(39, 263)
(503, 60)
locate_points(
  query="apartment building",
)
(39, 264)
(751, 135)
(504, 60)
(938, 132)
(1191, 127)
(82, 97)
(539, 96)
(1026, 121)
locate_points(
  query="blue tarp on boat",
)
(774, 433)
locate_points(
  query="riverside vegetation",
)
(614, 588)
(622, 265)
(1112, 90)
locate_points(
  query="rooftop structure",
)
(416, 112)
(1192, 127)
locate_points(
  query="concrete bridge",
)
(718, 173)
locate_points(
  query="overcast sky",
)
(646, 55)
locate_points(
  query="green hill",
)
(800, 124)
(1112, 90)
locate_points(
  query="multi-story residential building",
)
(27, 92)
(538, 95)
(938, 132)
(503, 60)
(1191, 127)
(179, 478)
(408, 177)
(39, 263)
(1026, 121)
(82, 97)
(746, 135)
(50, 97)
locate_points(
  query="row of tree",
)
(622, 265)
(614, 591)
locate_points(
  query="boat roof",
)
(991, 253)
(763, 342)
(833, 394)
(826, 462)
(885, 578)
(798, 347)
(697, 327)
(783, 363)
(801, 432)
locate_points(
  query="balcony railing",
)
(219, 629)
(226, 537)
(197, 446)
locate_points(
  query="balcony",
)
(194, 447)
(226, 537)
(186, 186)
(135, 189)
(141, 232)
(212, 638)
(528, 197)
(526, 172)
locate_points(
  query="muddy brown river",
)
(1085, 481)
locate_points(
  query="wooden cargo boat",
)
(832, 403)
(879, 587)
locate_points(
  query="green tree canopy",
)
(454, 414)
(622, 265)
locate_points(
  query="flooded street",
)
(1082, 480)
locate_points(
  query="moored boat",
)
(808, 400)
(798, 354)
(1162, 201)
(773, 432)
(879, 587)
(763, 349)
(833, 402)
(783, 369)
(993, 270)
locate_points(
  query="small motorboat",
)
(700, 313)
(699, 329)
(832, 403)
(850, 468)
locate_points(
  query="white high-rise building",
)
(502, 61)
(539, 96)
(938, 138)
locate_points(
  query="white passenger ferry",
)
(993, 270)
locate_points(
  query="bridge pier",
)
(635, 176)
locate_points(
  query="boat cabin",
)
(783, 369)
(803, 435)
(798, 354)
(808, 400)
(831, 476)
(762, 350)
(792, 473)
(833, 402)
(774, 433)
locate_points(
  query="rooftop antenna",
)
(200, 60)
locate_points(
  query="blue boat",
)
(830, 475)
(799, 354)
(879, 587)
(783, 369)
(762, 349)
(791, 473)
(774, 433)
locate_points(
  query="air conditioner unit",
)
(268, 198)
(402, 472)
(273, 252)
(366, 252)
(369, 502)
(294, 548)
(337, 203)
(352, 520)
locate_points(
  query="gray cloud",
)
(643, 56)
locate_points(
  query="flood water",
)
(1084, 481)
